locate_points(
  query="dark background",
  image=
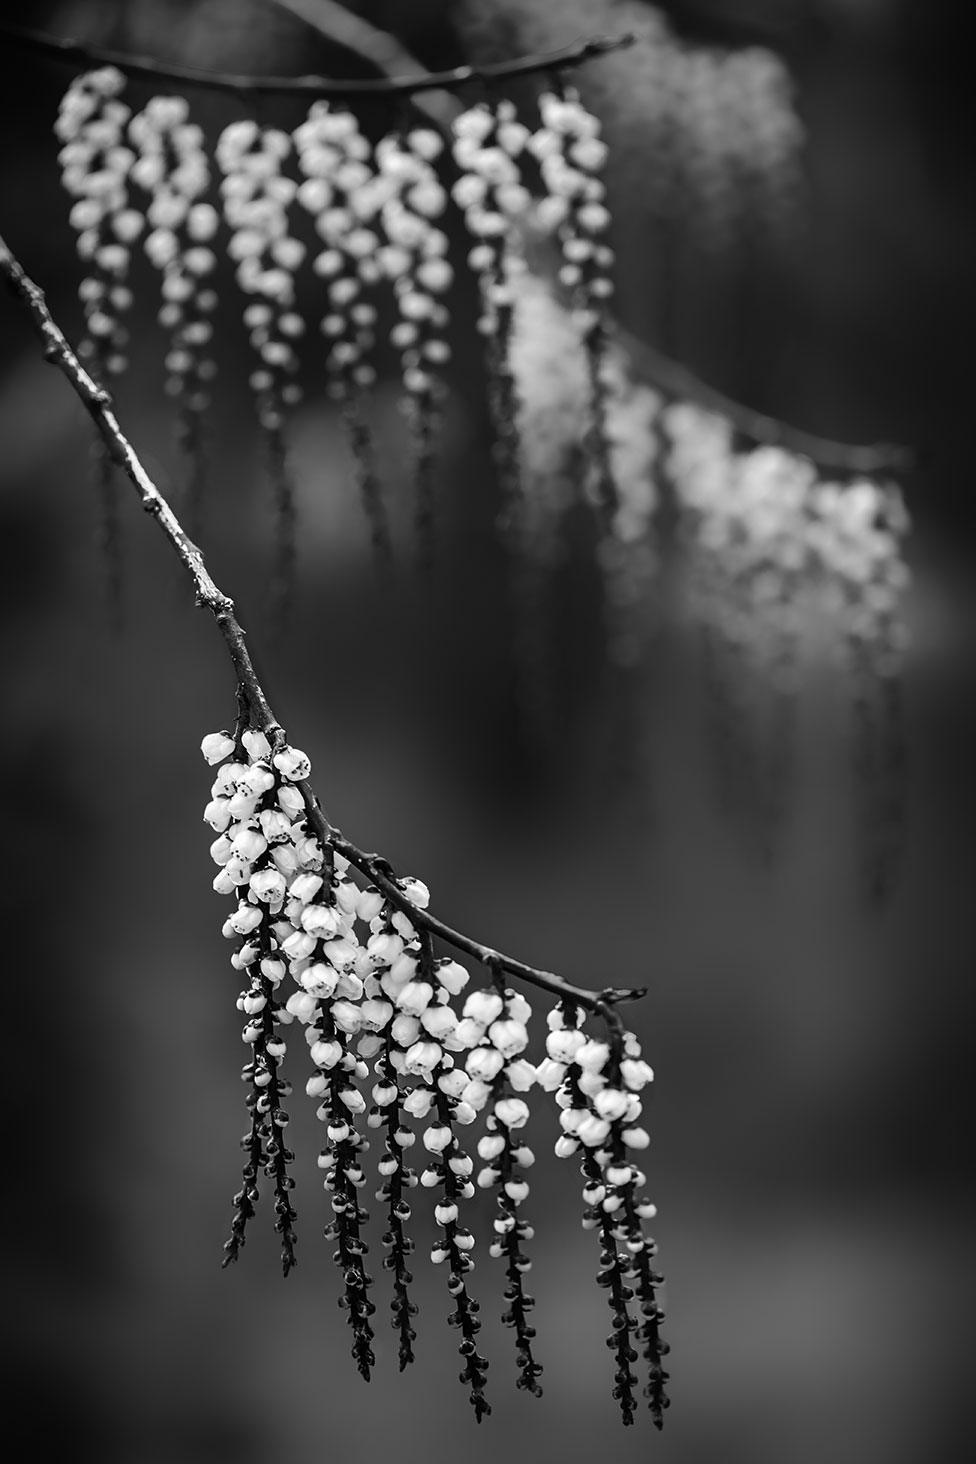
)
(809, 1157)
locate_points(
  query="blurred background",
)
(810, 1155)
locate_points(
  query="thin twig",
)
(316, 86)
(98, 403)
(678, 382)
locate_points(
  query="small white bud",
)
(216, 746)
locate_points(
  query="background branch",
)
(98, 404)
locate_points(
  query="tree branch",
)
(98, 404)
(677, 381)
(318, 86)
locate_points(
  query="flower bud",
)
(305, 887)
(368, 905)
(346, 1016)
(245, 919)
(521, 1075)
(375, 1014)
(483, 1007)
(321, 921)
(484, 1063)
(302, 1005)
(216, 746)
(452, 976)
(636, 1138)
(217, 815)
(422, 1058)
(418, 1103)
(437, 1138)
(610, 1103)
(562, 1046)
(326, 1054)
(593, 1056)
(405, 1030)
(415, 997)
(592, 1130)
(509, 1037)
(291, 802)
(292, 764)
(439, 1021)
(512, 1112)
(268, 885)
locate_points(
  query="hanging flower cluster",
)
(571, 157)
(356, 968)
(256, 197)
(343, 193)
(415, 261)
(720, 137)
(488, 143)
(95, 166)
(171, 165)
(785, 564)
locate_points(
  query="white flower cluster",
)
(343, 193)
(414, 258)
(774, 543)
(571, 157)
(95, 166)
(598, 1084)
(856, 534)
(553, 391)
(171, 165)
(378, 1009)
(488, 142)
(256, 198)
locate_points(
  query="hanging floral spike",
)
(256, 199)
(571, 157)
(487, 144)
(776, 549)
(95, 164)
(172, 166)
(414, 259)
(344, 194)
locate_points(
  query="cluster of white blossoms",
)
(736, 141)
(343, 192)
(378, 1012)
(553, 392)
(172, 166)
(571, 157)
(598, 1084)
(488, 142)
(774, 543)
(414, 260)
(256, 196)
(95, 164)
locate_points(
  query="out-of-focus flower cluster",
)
(720, 156)
(396, 1042)
(775, 548)
(95, 165)
(488, 145)
(172, 167)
